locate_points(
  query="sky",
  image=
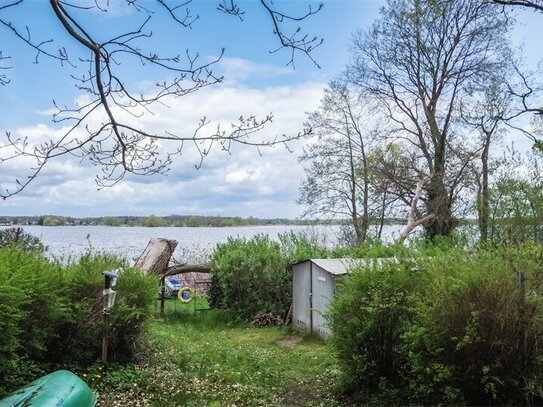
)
(257, 82)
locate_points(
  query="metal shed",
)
(313, 285)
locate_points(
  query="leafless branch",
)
(118, 145)
(528, 4)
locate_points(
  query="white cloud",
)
(240, 182)
(237, 69)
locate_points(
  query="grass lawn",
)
(204, 359)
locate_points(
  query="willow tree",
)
(417, 62)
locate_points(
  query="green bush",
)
(51, 315)
(296, 247)
(20, 239)
(454, 329)
(371, 311)
(475, 338)
(250, 276)
(84, 282)
(254, 275)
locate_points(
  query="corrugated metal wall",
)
(313, 288)
(323, 291)
(301, 289)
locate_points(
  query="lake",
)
(194, 243)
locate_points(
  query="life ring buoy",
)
(185, 295)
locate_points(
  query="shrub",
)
(84, 281)
(32, 305)
(371, 311)
(296, 247)
(250, 276)
(52, 314)
(20, 239)
(370, 249)
(454, 329)
(475, 339)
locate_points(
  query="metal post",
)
(105, 341)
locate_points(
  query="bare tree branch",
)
(115, 144)
(529, 4)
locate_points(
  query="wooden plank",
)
(288, 318)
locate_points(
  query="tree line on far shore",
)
(151, 221)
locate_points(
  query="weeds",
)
(209, 358)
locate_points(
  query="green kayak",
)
(59, 389)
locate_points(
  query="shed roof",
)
(337, 266)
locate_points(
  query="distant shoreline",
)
(168, 226)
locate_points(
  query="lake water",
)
(194, 244)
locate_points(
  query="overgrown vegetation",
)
(18, 238)
(442, 323)
(209, 359)
(51, 315)
(253, 275)
(452, 327)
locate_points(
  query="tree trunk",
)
(359, 228)
(438, 202)
(412, 221)
(382, 217)
(484, 204)
(366, 197)
(156, 256)
(188, 268)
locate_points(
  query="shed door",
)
(323, 291)
(301, 301)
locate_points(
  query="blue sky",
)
(256, 82)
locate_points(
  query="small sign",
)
(322, 279)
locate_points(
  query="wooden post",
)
(162, 295)
(288, 317)
(105, 341)
(524, 322)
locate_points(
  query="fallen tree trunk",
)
(413, 221)
(156, 256)
(188, 268)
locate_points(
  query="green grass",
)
(206, 359)
(174, 307)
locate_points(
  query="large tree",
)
(485, 111)
(102, 126)
(337, 182)
(417, 62)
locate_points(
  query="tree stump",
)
(156, 256)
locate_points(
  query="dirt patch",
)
(297, 396)
(290, 341)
